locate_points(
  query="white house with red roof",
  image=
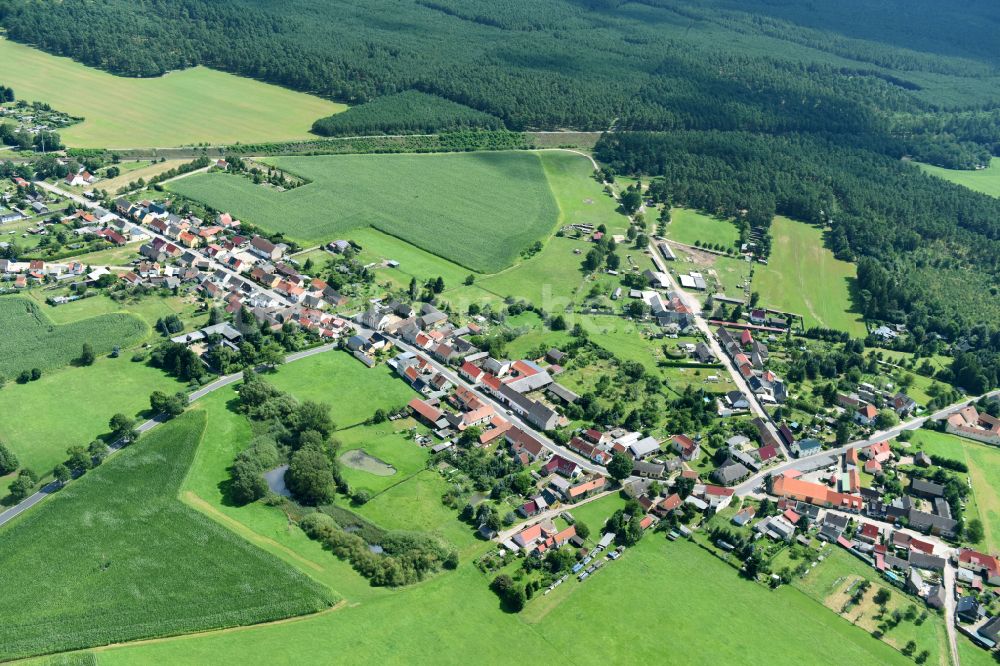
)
(985, 565)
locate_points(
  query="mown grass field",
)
(132, 171)
(984, 471)
(41, 419)
(352, 390)
(689, 226)
(115, 557)
(475, 209)
(391, 442)
(803, 277)
(449, 617)
(986, 180)
(29, 339)
(181, 108)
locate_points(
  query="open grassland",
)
(116, 557)
(41, 419)
(143, 170)
(457, 610)
(476, 209)
(803, 277)
(986, 180)
(186, 107)
(689, 226)
(984, 472)
(29, 339)
(353, 390)
(831, 583)
(391, 442)
(451, 616)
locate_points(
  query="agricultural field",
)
(41, 419)
(29, 339)
(803, 277)
(475, 209)
(73, 578)
(986, 180)
(353, 390)
(124, 112)
(149, 308)
(689, 227)
(458, 611)
(984, 472)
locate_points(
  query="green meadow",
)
(180, 108)
(803, 277)
(41, 419)
(452, 616)
(690, 227)
(984, 472)
(475, 209)
(986, 180)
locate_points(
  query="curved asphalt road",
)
(16, 510)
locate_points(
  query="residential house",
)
(686, 447)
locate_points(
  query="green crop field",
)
(689, 226)
(116, 557)
(986, 180)
(803, 277)
(476, 209)
(29, 339)
(41, 419)
(181, 108)
(452, 616)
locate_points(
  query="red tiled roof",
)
(429, 412)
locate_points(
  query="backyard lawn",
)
(803, 277)
(122, 112)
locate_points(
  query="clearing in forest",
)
(803, 277)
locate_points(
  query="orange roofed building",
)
(814, 493)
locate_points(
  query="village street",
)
(213, 265)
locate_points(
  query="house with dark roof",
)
(730, 473)
(926, 489)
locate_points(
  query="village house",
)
(686, 447)
(971, 424)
